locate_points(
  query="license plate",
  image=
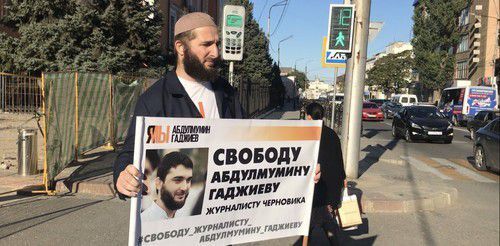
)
(435, 133)
(372, 116)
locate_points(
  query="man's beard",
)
(197, 70)
(170, 203)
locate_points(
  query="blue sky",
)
(307, 21)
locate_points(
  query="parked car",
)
(405, 99)
(422, 122)
(372, 112)
(486, 147)
(379, 102)
(481, 119)
(390, 108)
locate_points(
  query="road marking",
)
(388, 124)
(464, 171)
(422, 166)
(460, 129)
(446, 170)
(468, 165)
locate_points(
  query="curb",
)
(87, 187)
(430, 203)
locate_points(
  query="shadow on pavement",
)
(20, 225)
(425, 228)
(369, 133)
(374, 154)
(100, 166)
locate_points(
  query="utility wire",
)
(262, 11)
(281, 17)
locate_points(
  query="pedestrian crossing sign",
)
(330, 58)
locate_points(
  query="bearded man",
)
(193, 90)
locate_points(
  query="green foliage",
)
(391, 72)
(300, 78)
(436, 32)
(86, 35)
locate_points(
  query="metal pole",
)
(332, 123)
(231, 73)
(347, 100)
(357, 81)
(279, 54)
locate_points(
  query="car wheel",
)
(408, 136)
(472, 134)
(394, 132)
(479, 159)
(448, 141)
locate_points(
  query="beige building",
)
(477, 54)
(316, 89)
(393, 48)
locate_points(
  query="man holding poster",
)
(192, 90)
(256, 184)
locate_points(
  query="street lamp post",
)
(295, 63)
(282, 3)
(279, 44)
(307, 62)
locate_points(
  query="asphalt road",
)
(90, 220)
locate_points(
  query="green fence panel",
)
(125, 95)
(93, 110)
(60, 120)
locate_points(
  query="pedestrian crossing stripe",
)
(462, 170)
(446, 169)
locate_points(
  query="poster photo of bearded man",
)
(174, 182)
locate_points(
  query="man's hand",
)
(318, 173)
(128, 181)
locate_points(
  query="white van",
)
(405, 99)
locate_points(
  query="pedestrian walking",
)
(328, 190)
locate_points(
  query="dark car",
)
(481, 119)
(391, 108)
(379, 102)
(422, 122)
(486, 147)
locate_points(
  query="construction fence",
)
(84, 111)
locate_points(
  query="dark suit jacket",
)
(328, 190)
(168, 98)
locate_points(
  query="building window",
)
(464, 17)
(464, 44)
(462, 70)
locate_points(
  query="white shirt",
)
(153, 213)
(203, 96)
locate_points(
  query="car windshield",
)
(425, 112)
(370, 105)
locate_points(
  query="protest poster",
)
(222, 181)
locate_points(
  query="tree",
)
(391, 72)
(436, 33)
(87, 35)
(300, 78)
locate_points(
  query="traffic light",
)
(340, 27)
